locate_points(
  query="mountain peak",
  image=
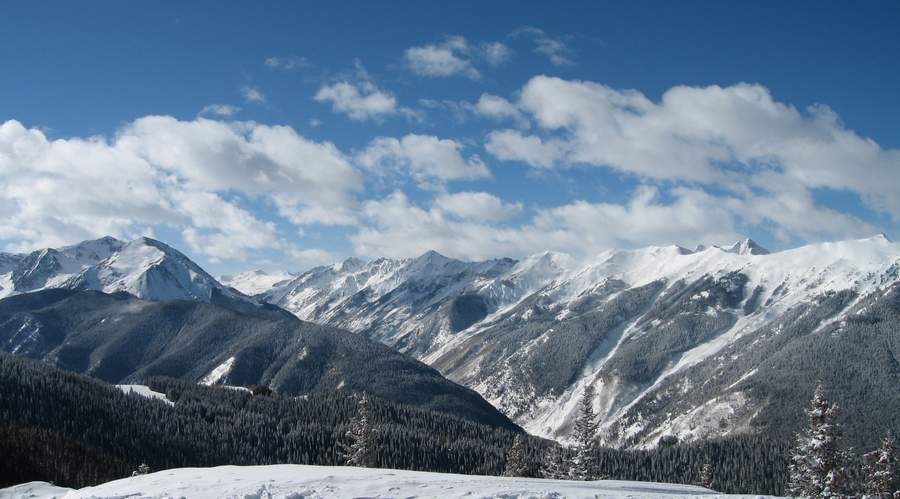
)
(431, 257)
(350, 264)
(746, 246)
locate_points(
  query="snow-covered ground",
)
(144, 391)
(291, 481)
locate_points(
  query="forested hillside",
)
(119, 338)
(75, 431)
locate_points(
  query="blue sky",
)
(289, 134)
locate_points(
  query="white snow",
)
(786, 279)
(254, 282)
(218, 373)
(145, 391)
(143, 267)
(290, 481)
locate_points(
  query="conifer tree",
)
(516, 465)
(882, 471)
(816, 464)
(706, 475)
(553, 463)
(361, 434)
(583, 463)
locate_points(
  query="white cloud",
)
(396, 227)
(479, 206)
(309, 258)
(552, 48)
(357, 96)
(495, 53)
(498, 108)
(253, 94)
(287, 63)
(221, 229)
(736, 137)
(427, 159)
(159, 171)
(437, 61)
(359, 102)
(511, 145)
(61, 191)
(224, 110)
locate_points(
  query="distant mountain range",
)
(681, 343)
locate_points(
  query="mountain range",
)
(680, 344)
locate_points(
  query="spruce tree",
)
(816, 468)
(706, 475)
(361, 434)
(583, 463)
(516, 464)
(882, 471)
(553, 463)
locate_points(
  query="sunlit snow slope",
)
(678, 342)
(296, 481)
(144, 267)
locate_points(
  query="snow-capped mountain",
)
(254, 282)
(144, 267)
(677, 342)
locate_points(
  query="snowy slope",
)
(144, 391)
(49, 267)
(638, 324)
(144, 267)
(296, 481)
(254, 282)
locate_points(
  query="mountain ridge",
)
(639, 324)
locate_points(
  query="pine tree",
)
(553, 463)
(706, 475)
(816, 463)
(882, 471)
(361, 434)
(583, 466)
(516, 465)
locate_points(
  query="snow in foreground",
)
(291, 481)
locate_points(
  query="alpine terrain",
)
(680, 343)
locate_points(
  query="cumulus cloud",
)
(359, 102)
(449, 58)
(160, 171)
(287, 62)
(480, 206)
(357, 96)
(429, 160)
(511, 145)
(397, 227)
(736, 138)
(221, 229)
(498, 108)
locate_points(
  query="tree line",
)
(76, 431)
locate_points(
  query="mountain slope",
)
(119, 338)
(144, 267)
(658, 330)
(254, 282)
